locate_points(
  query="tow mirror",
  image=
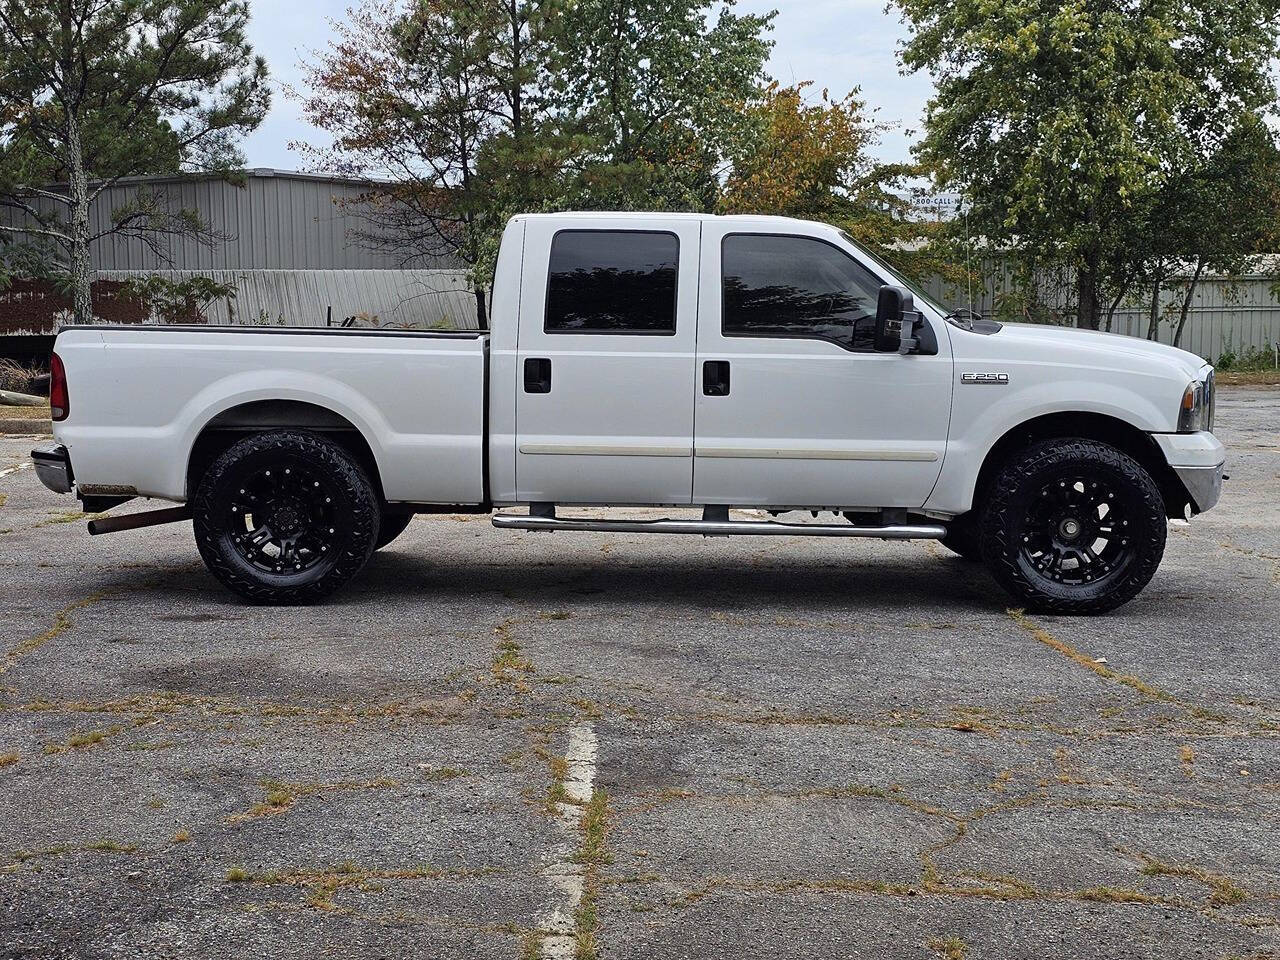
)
(895, 306)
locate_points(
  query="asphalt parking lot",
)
(506, 745)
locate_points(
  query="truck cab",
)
(671, 360)
(639, 380)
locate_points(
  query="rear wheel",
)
(1073, 526)
(285, 517)
(394, 523)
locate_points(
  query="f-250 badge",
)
(991, 379)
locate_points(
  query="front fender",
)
(983, 414)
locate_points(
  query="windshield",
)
(916, 290)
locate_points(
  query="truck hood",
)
(1110, 349)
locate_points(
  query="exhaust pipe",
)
(136, 521)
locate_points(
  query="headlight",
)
(1196, 413)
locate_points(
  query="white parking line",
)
(22, 466)
(564, 873)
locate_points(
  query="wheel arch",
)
(262, 416)
(1101, 427)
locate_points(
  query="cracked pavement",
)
(801, 748)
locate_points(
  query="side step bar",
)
(721, 528)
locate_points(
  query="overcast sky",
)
(840, 44)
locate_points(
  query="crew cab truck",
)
(651, 360)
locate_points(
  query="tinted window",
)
(797, 287)
(612, 282)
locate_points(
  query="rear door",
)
(606, 359)
(794, 407)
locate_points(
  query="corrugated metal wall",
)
(1226, 314)
(1223, 317)
(419, 299)
(274, 221)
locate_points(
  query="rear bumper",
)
(53, 467)
(1198, 460)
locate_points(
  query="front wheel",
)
(285, 517)
(1073, 526)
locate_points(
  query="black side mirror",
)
(893, 307)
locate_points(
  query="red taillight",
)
(59, 402)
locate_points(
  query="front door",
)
(794, 408)
(608, 326)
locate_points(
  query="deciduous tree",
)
(649, 92)
(1215, 217)
(1059, 118)
(468, 111)
(797, 155)
(438, 101)
(94, 91)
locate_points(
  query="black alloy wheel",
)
(286, 517)
(1073, 526)
(1076, 530)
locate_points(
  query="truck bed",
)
(141, 396)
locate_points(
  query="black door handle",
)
(715, 378)
(537, 375)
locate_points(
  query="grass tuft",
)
(948, 948)
(82, 741)
(1188, 758)
(110, 846)
(595, 829)
(556, 792)
(9, 759)
(281, 796)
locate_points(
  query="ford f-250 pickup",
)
(651, 360)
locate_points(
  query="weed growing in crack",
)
(82, 741)
(948, 948)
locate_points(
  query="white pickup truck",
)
(651, 360)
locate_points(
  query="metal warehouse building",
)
(284, 241)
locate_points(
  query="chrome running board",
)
(720, 528)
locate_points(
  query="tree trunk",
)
(1114, 305)
(482, 311)
(1186, 301)
(78, 191)
(1088, 309)
(1153, 321)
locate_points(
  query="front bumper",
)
(1204, 485)
(53, 467)
(1197, 459)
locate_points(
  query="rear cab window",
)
(613, 282)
